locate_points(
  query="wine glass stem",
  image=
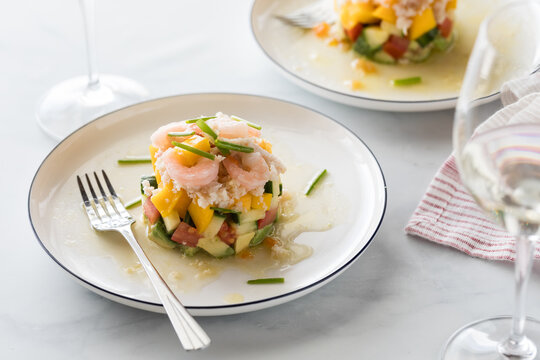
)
(517, 344)
(88, 15)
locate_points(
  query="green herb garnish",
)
(179, 134)
(266, 281)
(407, 81)
(203, 118)
(207, 129)
(133, 203)
(314, 182)
(194, 150)
(224, 211)
(255, 126)
(135, 160)
(234, 147)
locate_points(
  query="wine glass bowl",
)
(496, 142)
(72, 103)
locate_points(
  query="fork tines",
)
(104, 208)
(310, 16)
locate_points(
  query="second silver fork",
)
(107, 213)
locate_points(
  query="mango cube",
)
(182, 203)
(422, 23)
(358, 12)
(385, 13)
(200, 216)
(261, 202)
(245, 201)
(187, 158)
(166, 199)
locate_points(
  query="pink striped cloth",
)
(448, 215)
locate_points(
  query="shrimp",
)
(163, 141)
(251, 171)
(202, 173)
(231, 129)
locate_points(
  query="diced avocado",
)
(213, 228)
(245, 227)
(215, 247)
(188, 250)
(151, 179)
(441, 43)
(362, 47)
(428, 37)
(382, 57)
(261, 234)
(251, 215)
(171, 221)
(243, 241)
(158, 234)
(390, 28)
(375, 36)
(188, 219)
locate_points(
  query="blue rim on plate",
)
(225, 306)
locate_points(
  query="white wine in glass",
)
(499, 163)
(74, 102)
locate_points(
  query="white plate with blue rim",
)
(104, 263)
(326, 71)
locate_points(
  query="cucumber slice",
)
(418, 55)
(375, 36)
(151, 179)
(215, 247)
(382, 57)
(245, 227)
(243, 241)
(427, 37)
(158, 234)
(251, 215)
(261, 234)
(171, 221)
(214, 226)
(269, 188)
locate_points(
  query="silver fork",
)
(310, 16)
(107, 213)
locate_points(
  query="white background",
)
(401, 300)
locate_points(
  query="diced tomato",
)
(396, 46)
(445, 28)
(150, 210)
(269, 218)
(227, 234)
(354, 32)
(186, 235)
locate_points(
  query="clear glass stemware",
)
(499, 163)
(74, 102)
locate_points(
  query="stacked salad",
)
(396, 31)
(216, 186)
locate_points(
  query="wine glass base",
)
(480, 340)
(72, 103)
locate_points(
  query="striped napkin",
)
(448, 215)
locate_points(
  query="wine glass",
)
(499, 163)
(74, 102)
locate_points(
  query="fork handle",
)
(191, 335)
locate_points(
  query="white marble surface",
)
(401, 300)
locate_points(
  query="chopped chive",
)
(194, 150)
(224, 211)
(266, 281)
(314, 182)
(234, 147)
(207, 129)
(135, 160)
(203, 118)
(133, 203)
(407, 81)
(223, 150)
(178, 134)
(249, 123)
